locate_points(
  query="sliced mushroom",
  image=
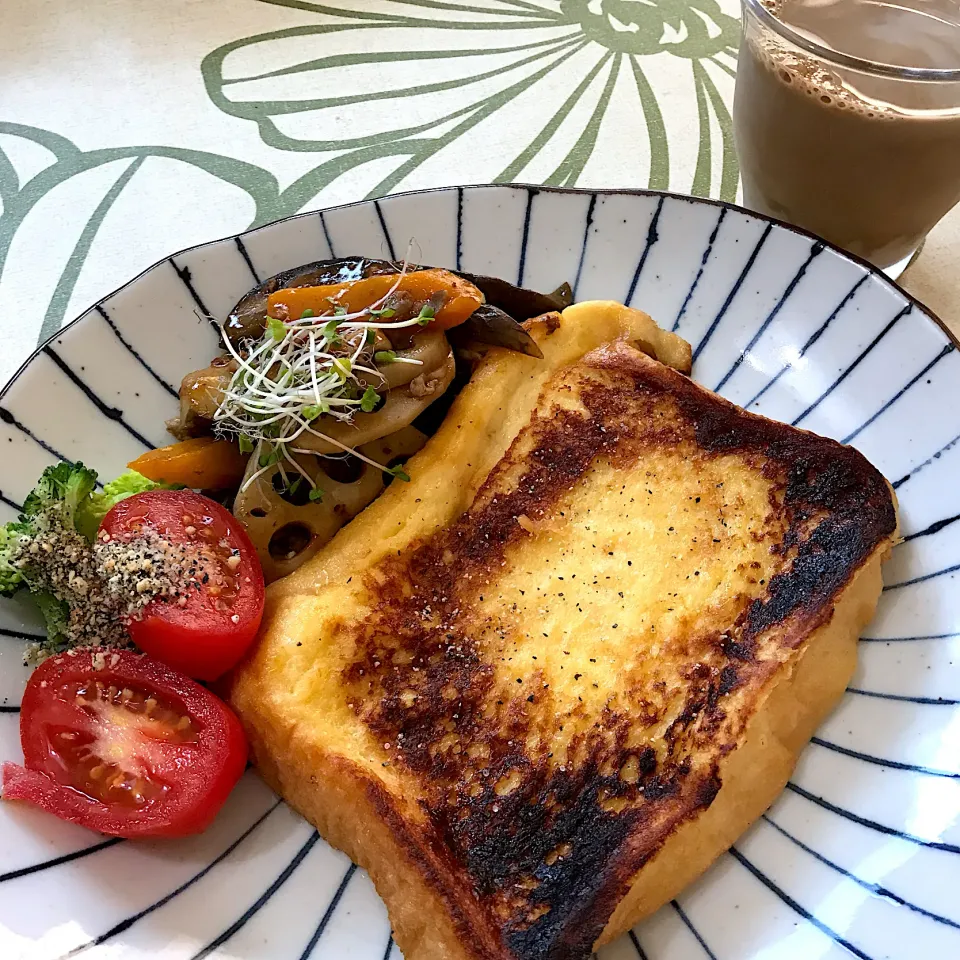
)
(401, 407)
(200, 394)
(287, 529)
(429, 348)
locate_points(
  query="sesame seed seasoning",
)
(108, 583)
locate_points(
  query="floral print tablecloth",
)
(132, 128)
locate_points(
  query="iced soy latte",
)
(847, 118)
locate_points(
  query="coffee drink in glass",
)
(847, 118)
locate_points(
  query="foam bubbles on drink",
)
(871, 30)
(818, 82)
(866, 159)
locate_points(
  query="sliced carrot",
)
(202, 463)
(462, 296)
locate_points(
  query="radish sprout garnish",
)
(299, 371)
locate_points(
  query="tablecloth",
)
(132, 128)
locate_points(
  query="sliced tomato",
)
(120, 743)
(206, 630)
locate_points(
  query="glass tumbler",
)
(863, 153)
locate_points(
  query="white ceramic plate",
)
(861, 854)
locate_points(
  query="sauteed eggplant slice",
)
(327, 367)
(490, 325)
(519, 302)
(247, 319)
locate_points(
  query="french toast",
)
(539, 688)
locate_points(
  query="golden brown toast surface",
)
(533, 662)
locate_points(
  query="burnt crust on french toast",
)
(538, 811)
(818, 477)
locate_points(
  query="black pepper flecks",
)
(107, 583)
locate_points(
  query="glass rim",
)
(835, 57)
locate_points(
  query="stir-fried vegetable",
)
(203, 463)
(324, 360)
(456, 298)
(311, 364)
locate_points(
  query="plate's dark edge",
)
(584, 191)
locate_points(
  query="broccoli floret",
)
(92, 510)
(49, 551)
(11, 576)
(59, 492)
(61, 488)
(65, 495)
(56, 615)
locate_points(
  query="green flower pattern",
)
(400, 94)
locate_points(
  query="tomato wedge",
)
(205, 632)
(117, 742)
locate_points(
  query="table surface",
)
(129, 130)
